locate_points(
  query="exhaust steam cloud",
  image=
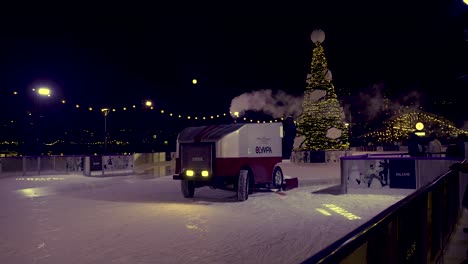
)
(279, 104)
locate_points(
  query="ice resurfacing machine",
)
(237, 157)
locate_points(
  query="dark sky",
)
(121, 58)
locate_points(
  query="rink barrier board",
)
(414, 230)
(41, 165)
(391, 171)
(76, 164)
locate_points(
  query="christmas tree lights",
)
(322, 120)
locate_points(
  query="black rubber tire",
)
(187, 188)
(243, 186)
(278, 178)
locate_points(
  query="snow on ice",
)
(136, 219)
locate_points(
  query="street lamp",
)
(41, 92)
(44, 91)
(105, 112)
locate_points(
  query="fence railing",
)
(23, 166)
(414, 230)
(87, 165)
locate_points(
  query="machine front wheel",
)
(188, 188)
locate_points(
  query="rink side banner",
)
(402, 173)
(367, 173)
(380, 173)
(95, 163)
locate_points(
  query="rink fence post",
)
(24, 166)
(344, 180)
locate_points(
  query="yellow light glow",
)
(465, 1)
(148, 103)
(236, 114)
(134, 106)
(419, 126)
(204, 118)
(323, 211)
(342, 211)
(420, 133)
(63, 101)
(194, 81)
(196, 118)
(15, 93)
(204, 173)
(170, 114)
(212, 117)
(180, 116)
(152, 108)
(125, 108)
(90, 109)
(162, 111)
(44, 91)
(29, 192)
(217, 115)
(195, 227)
(77, 106)
(189, 173)
(245, 118)
(113, 110)
(224, 114)
(188, 117)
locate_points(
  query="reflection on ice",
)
(40, 179)
(323, 211)
(191, 226)
(35, 192)
(342, 211)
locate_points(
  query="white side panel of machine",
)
(251, 140)
(229, 145)
(264, 140)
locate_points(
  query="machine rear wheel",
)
(243, 186)
(278, 178)
(188, 188)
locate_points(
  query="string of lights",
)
(148, 105)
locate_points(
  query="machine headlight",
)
(205, 173)
(189, 173)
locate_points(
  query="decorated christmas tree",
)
(321, 124)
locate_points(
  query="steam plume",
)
(279, 104)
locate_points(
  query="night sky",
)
(113, 59)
